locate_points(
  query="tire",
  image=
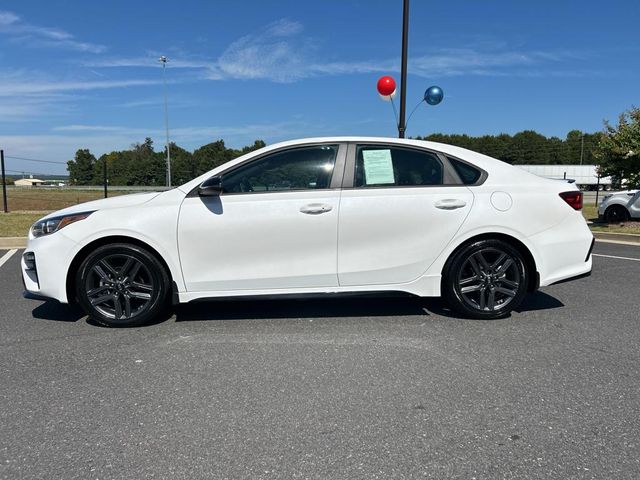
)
(485, 279)
(122, 285)
(616, 213)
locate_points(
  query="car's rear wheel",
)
(616, 213)
(122, 285)
(485, 279)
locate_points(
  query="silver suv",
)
(620, 206)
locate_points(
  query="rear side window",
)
(466, 172)
(387, 166)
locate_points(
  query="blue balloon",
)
(433, 95)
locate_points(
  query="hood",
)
(106, 203)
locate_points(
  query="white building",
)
(28, 182)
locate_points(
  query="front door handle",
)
(450, 203)
(316, 208)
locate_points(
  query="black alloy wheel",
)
(485, 279)
(615, 214)
(122, 285)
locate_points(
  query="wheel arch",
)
(530, 263)
(83, 252)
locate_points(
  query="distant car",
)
(323, 215)
(620, 206)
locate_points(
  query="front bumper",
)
(53, 255)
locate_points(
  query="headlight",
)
(53, 224)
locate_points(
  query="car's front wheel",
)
(122, 285)
(485, 279)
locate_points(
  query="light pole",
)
(403, 68)
(163, 60)
(387, 85)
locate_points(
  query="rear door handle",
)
(450, 203)
(316, 208)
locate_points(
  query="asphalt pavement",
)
(329, 388)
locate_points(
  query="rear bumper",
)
(564, 251)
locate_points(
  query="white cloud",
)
(192, 134)
(17, 29)
(280, 53)
(28, 95)
(148, 61)
(13, 88)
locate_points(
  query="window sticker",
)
(378, 167)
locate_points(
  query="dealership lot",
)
(392, 387)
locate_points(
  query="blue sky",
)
(78, 74)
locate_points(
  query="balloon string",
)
(413, 111)
(395, 113)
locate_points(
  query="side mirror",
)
(211, 187)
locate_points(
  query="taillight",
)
(573, 198)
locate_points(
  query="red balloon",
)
(386, 85)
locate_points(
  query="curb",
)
(13, 242)
(630, 238)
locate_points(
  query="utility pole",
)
(163, 60)
(581, 147)
(4, 183)
(403, 69)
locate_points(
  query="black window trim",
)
(449, 175)
(334, 184)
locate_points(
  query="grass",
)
(49, 199)
(590, 212)
(16, 224)
(26, 205)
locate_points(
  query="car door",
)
(398, 212)
(274, 225)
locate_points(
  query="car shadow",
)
(316, 306)
(335, 306)
(539, 301)
(322, 306)
(61, 312)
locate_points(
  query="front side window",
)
(304, 168)
(389, 166)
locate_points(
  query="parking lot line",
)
(619, 258)
(7, 256)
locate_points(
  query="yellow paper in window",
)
(378, 167)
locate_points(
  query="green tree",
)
(81, 169)
(142, 165)
(618, 150)
(182, 165)
(211, 155)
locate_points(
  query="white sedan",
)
(320, 215)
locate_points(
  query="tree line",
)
(142, 165)
(528, 147)
(616, 150)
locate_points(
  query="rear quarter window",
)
(468, 174)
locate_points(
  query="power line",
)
(35, 160)
(24, 172)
